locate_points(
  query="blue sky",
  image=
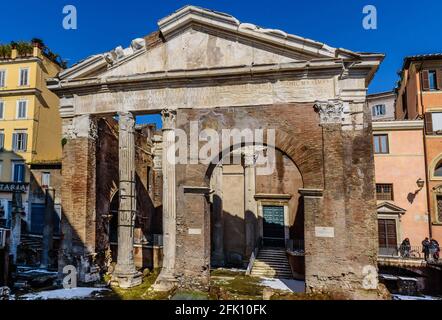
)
(404, 27)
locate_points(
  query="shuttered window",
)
(428, 123)
(24, 77)
(433, 123)
(436, 118)
(432, 80)
(22, 109)
(19, 141)
(2, 78)
(2, 140)
(18, 171)
(387, 233)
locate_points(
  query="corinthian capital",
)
(126, 121)
(330, 112)
(168, 117)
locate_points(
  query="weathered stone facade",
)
(209, 68)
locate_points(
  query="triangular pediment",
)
(194, 38)
(389, 208)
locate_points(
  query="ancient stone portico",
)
(208, 68)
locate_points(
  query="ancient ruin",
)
(208, 68)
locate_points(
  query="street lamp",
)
(420, 183)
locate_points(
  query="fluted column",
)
(125, 273)
(166, 279)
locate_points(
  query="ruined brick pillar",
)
(166, 280)
(78, 193)
(125, 273)
(340, 239)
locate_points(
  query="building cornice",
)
(21, 91)
(398, 125)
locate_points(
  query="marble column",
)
(217, 216)
(166, 280)
(250, 206)
(125, 273)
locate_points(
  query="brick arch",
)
(308, 161)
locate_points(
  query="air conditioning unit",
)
(3, 238)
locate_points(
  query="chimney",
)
(14, 53)
(36, 51)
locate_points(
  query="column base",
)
(127, 280)
(165, 282)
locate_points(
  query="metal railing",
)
(403, 252)
(258, 246)
(295, 246)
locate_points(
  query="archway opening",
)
(251, 211)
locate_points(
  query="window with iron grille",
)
(439, 208)
(384, 191)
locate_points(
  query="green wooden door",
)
(273, 226)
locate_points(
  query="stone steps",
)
(272, 263)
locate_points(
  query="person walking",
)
(434, 249)
(426, 248)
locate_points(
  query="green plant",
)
(5, 51)
(39, 42)
(24, 48)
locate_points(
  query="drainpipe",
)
(427, 173)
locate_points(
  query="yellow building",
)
(30, 125)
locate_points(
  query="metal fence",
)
(404, 252)
(295, 245)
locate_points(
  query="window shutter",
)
(428, 123)
(439, 79)
(14, 141)
(25, 141)
(425, 80)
